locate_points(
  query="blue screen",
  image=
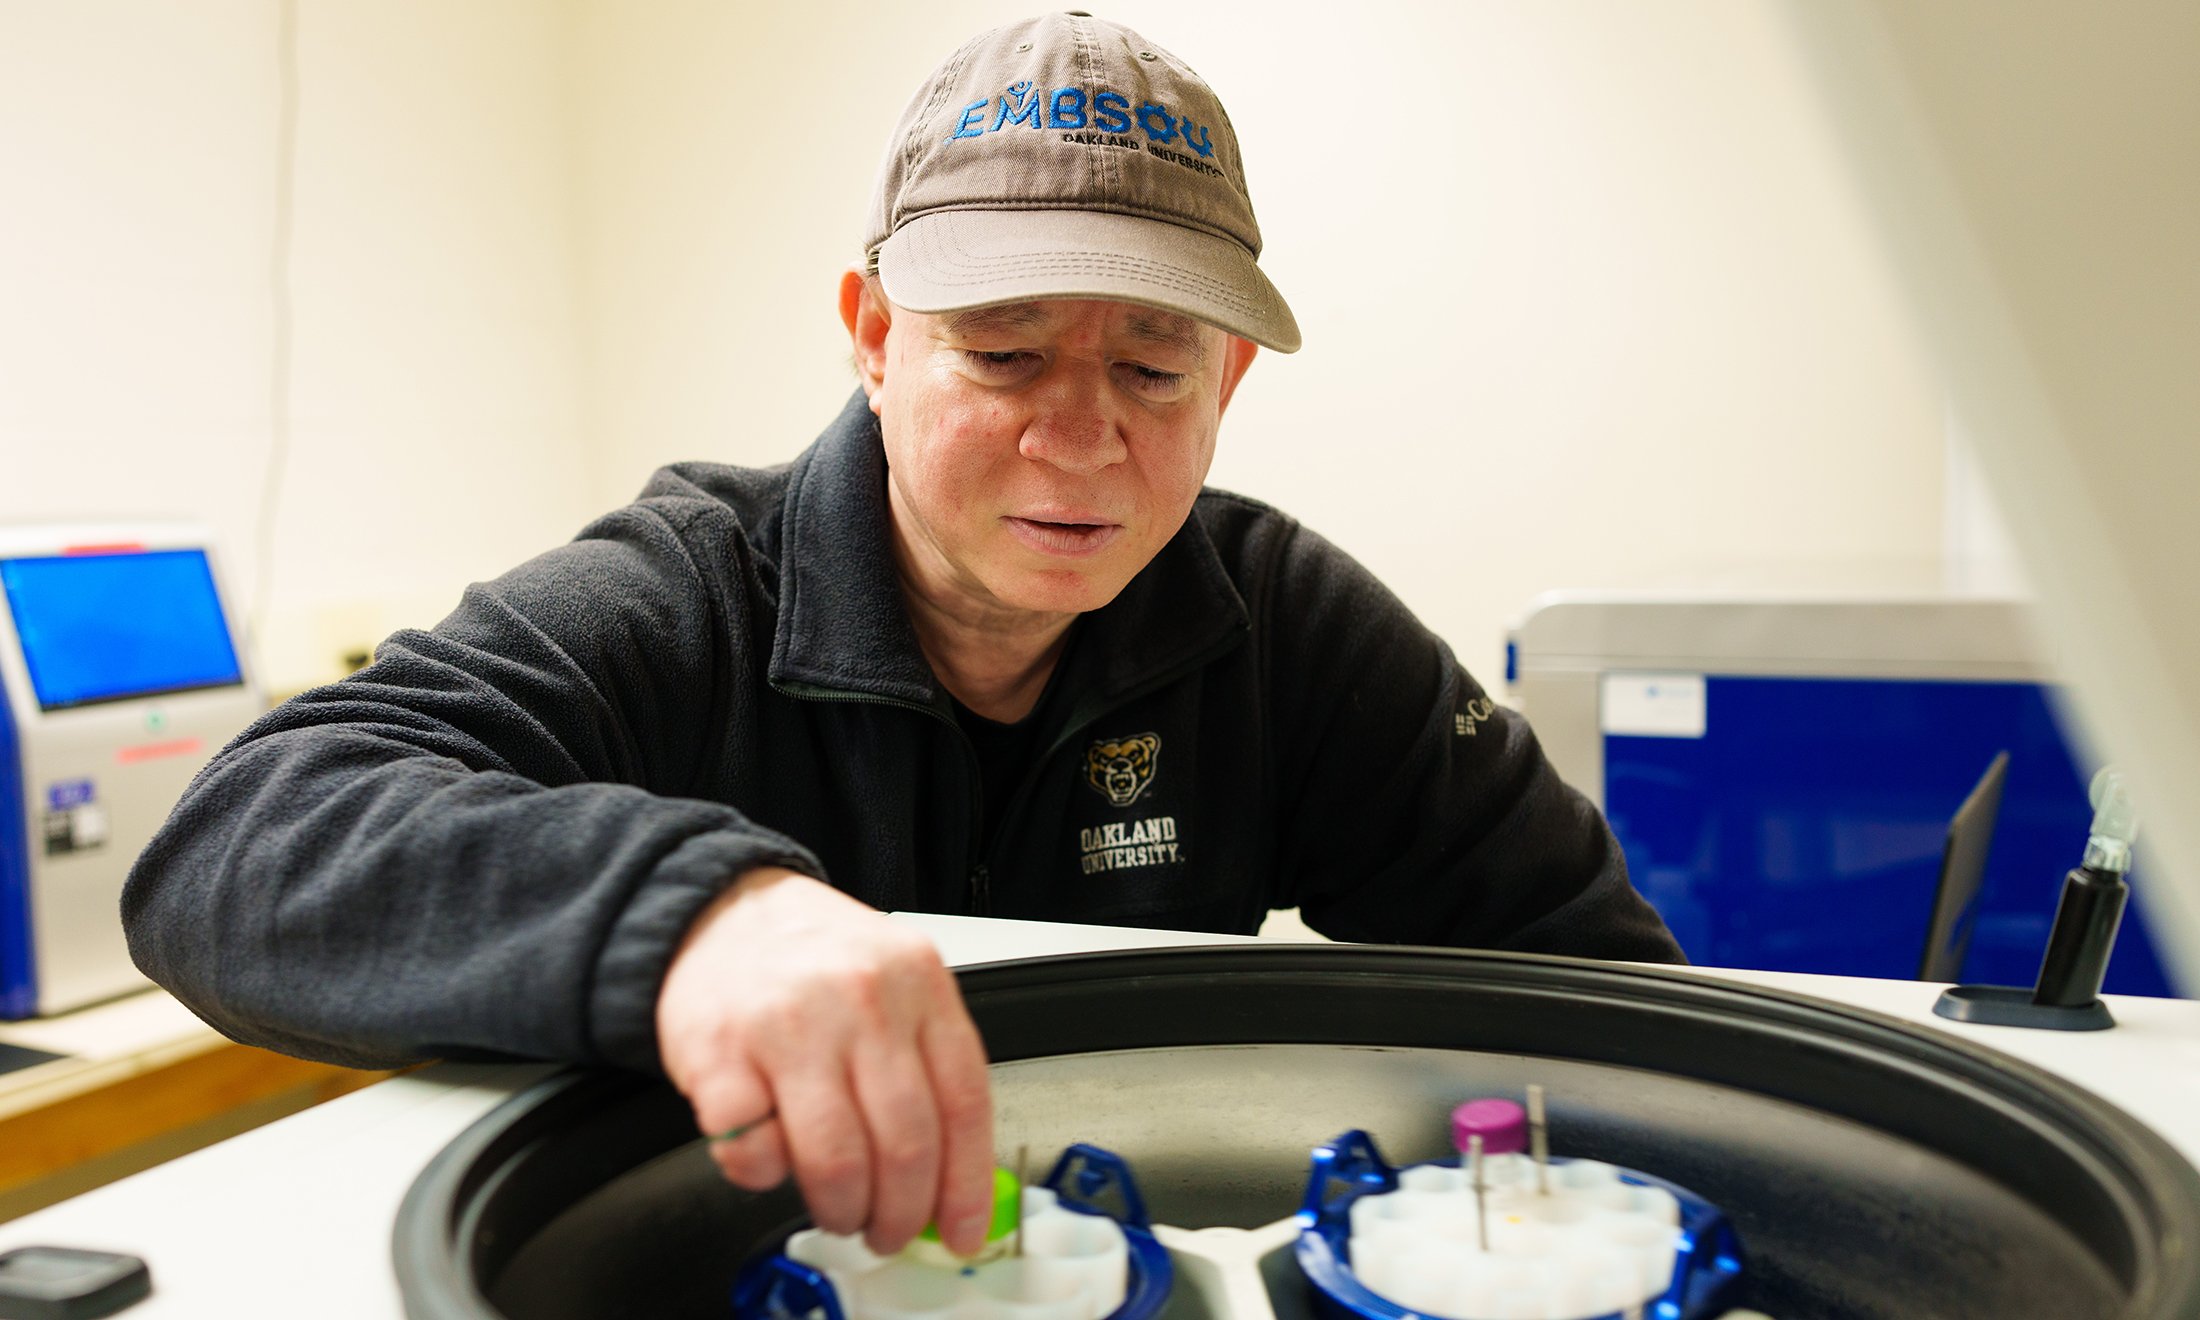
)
(1803, 831)
(106, 626)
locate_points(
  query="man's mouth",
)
(1070, 539)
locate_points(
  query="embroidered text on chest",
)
(1120, 844)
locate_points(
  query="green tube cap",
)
(1008, 1209)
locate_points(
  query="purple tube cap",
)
(1502, 1125)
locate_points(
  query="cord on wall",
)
(279, 365)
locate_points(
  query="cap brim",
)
(951, 261)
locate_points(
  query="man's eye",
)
(1153, 380)
(998, 363)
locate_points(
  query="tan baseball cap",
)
(1068, 157)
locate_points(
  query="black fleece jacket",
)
(489, 842)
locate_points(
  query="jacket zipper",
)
(978, 882)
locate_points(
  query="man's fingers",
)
(828, 1147)
(954, 1058)
(734, 1109)
(894, 1092)
(790, 1002)
(753, 1156)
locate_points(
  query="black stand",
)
(2068, 996)
(2012, 1006)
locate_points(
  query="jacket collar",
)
(843, 626)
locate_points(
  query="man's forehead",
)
(1138, 321)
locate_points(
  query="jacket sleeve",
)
(477, 846)
(1416, 810)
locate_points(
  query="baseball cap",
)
(1068, 157)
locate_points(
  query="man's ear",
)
(864, 310)
(1237, 355)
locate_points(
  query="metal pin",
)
(1481, 1190)
(1023, 1164)
(1539, 1140)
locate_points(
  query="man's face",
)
(1041, 453)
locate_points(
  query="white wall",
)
(2035, 183)
(437, 435)
(1587, 295)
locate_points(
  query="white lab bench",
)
(295, 1218)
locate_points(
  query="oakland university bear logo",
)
(1119, 770)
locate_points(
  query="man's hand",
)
(837, 1042)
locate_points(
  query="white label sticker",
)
(1653, 705)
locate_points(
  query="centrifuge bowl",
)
(1873, 1168)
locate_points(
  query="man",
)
(986, 647)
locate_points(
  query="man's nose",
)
(1072, 426)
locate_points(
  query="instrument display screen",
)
(111, 626)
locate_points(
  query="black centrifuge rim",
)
(1843, 1061)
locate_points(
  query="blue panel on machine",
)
(18, 973)
(107, 626)
(1803, 830)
